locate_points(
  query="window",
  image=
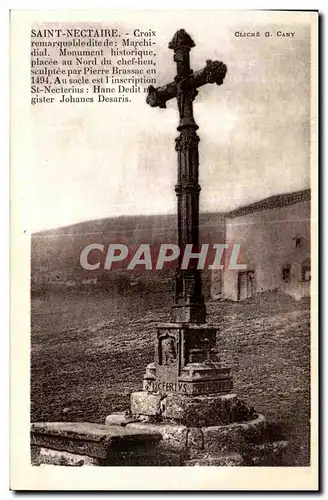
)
(298, 242)
(306, 273)
(286, 273)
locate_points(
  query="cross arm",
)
(214, 72)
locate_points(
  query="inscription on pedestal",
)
(179, 387)
(175, 387)
(211, 387)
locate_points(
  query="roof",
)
(280, 200)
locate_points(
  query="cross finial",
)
(181, 39)
(181, 43)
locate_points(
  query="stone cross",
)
(189, 302)
(186, 360)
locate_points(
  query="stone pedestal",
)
(187, 398)
(186, 361)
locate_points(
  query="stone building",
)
(274, 238)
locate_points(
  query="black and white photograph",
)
(167, 214)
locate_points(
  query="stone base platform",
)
(214, 429)
(79, 443)
(126, 441)
(193, 411)
(235, 444)
(219, 438)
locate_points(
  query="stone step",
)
(233, 437)
(124, 442)
(265, 454)
(83, 443)
(242, 443)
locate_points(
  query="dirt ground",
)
(89, 351)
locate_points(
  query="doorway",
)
(246, 284)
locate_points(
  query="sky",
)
(92, 161)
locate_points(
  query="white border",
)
(114, 4)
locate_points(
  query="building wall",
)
(267, 239)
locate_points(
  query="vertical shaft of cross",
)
(189, 302)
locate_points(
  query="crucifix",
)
(189, 302)
(186, 360)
